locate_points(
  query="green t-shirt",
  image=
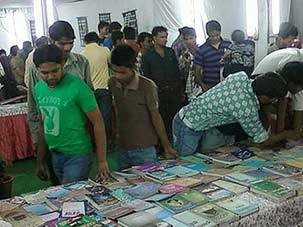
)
(63, 111)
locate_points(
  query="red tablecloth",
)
(15, 136)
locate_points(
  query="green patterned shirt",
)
(231, 101)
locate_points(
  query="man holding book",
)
(237, 99)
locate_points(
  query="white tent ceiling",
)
(27, 3)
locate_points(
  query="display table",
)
(15, 136)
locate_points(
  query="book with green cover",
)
(272, 190)
(239, 207)
(176, 204)
(215, 213)
(194, 197)
(232, 187)
(291, 184)
(241, 178)
(192, 219)
(261, 174)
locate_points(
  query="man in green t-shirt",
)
(65, 103)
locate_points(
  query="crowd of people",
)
(133, 95)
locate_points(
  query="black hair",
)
(43, 40)
(27, 44)
(212, 26)
(189, 32)
(142, 36)
(287, 29)
(102, 24)
(61, 29)
(292, 72)
(183, 29)
(129, 33)
(124, 55)
(48, 53)
(2, 51)
(91, 37)
(270, 84)
(14, 50)
(115, 26)
(118, 35)
(238, 36)
(157, 30)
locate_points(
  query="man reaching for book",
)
(237, 99)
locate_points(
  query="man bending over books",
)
(139, 122)
(237, 99)
(65, 103)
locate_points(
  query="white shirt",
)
(275, 62)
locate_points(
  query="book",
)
(34, 198)
(192, 219)
(200, 167)
(243, 153)
(73, 209)
(120, 195)
(232, 187)
(219, 195)
(298, 163)
(176, 204)
(193, 159)
(56, 192)
(50, 216)
(221, 157)
(261, 174)
(256, 163)
(160, 212)
(186, 182)
(143, 190)
(283, 169)
(174, 222)
(148, 167)
(217, 172)
(117, 212)
(40, 209)
(204, 189)
(239, 207)
(215, 213)
(158, 197)
(181, 171)
(172, 188)
(253, 198)
(291, 184)
(138, 205)
(102, 201)
(272, 190)
(160, 175)
(140, 219)
(195, 197)
(20, 218)
(240, 178)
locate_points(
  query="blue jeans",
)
(104, 100)
(188, 141)
(128, 158)
(70, 168)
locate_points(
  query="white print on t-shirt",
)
(51, 118)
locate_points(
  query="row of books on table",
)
(198, 190)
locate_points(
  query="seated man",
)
(65, 103)
(139, 122)
(235, 100)
(289, 63)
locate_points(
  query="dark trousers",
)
(170, 102)
(104, 100)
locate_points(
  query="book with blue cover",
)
(181, 171)
(39, 209)
(219, 195)
(241, 178)
(200, 167)
(144, 190)
(239, 207)
(261, 174)
(256, 163)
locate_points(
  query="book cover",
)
(158, 197)
(283, 169)
(217, 172)
(243, 153)
(192, 219)
(160, 212)
(102, 200)
(141, 219)
(193, 159)
(224, 158)
(207, 188)
(120, 195)
(261, 174)
(161, 175)
(174, 222)
(138, 205)
(181, 171)
(238, 206)
(194, 197)
(19, 217)
(215, 213)
(240, 178)
(39, 209)
(116, 212)
(291, 184)
(232, 187)
(200, 167)
(219, 195)
(56, 192)
(148, 167)
(186, 182)
(298, 163)
(144, 190)
(176, 204)
(73, 209)
(256, 163)
(172, 189)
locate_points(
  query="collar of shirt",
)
(71, 60)
(133, 85)
(221, 42)
(91, 45)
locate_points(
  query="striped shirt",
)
(209, 58)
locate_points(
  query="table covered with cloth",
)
(15, 136)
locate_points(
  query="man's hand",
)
(41, 172)
(170, 153)
(204, 87)
(103, 171)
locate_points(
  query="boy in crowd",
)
(130, 38)
(140, 125)
(113, 27)
(160, 64)
(288, 62)
(145, 41)
(99, 59)
(62, 35)
(237, 99)
(208, 56)
(287, 33)
(65, 103)
(103, 29)
(117, 39)
(179, 45)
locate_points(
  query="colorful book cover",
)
(215, 213)
(159, 197)
(161, 175)
(192, 219)
(200, 167)
(232, 187)
(194, 197)
(160, 212)
(256, 163)
(102, 200)
(283, 169)
(138, 205)
(243, 153)
(148, 167)
(39, 209)
(172, 189)
(219, 195)
(56, 192)
(261, 174)
(291, 184)
(144, 190)
(238, 206)
(120, 195)
(241, 178)
(186, 181)
(176, 204)
(19, 217)
(73, 209)
(206, 188)
(225, 158)
(116, 212)
(181, 171)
